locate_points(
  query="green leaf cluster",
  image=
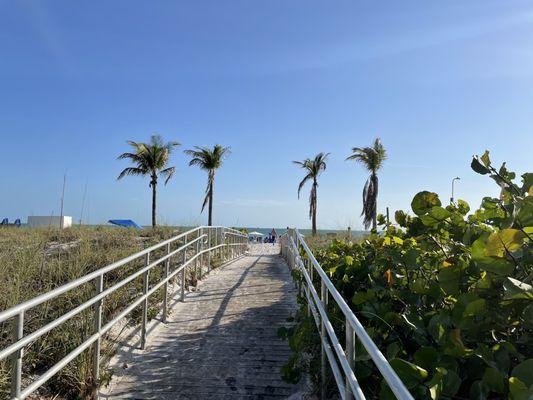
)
(446, 294)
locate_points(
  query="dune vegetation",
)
(34, 261)
(446, 293)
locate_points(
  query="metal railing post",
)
(324, 300)
(350, 355)
(165, 286)
(145, 302)
(307, 265)
(215, 254)
(183, 260)
(201, 259)
(224, 247)
(16, 368)
(209, 251)
(197, 250)
(97, 326)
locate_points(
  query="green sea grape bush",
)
(446, 295)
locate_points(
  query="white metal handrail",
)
(344, 377)
(227, 243)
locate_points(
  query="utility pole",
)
(83, 202)
(62, 201)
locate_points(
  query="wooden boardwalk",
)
(221, 343)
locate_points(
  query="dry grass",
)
(322, 240)
(34, 261)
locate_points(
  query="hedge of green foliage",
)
(445, 294)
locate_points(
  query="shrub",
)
(446, 295)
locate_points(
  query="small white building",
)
(49, 221)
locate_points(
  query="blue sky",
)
(275, 80)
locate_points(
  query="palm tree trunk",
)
(375, 214)
(314, 208)
(154, 199)
(210, 218)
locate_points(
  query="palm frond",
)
(371, 157)
(314, 168)
(303, 182)
(132, 171)
(149, 158)
(168, 173)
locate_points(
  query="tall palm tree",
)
(209, 160)
(150, 159)
(372, 159)
(313, 168)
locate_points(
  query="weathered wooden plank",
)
(221, 343)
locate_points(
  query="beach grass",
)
(34, 261)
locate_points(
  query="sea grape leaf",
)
(524, 372)
(528, 315)
(411, 374)
(423, 201)
(527, 186)
(524, 211)
(463, 207)
(494, 380)
(445, 382)
(478, 167)
(456, 346)
(478, 391)
(426, 357)
(485, 159)
(401, 218)
(362, 297)
(437, 326)
(474, 308)
(436, 384)
(519, 390)
(498, 243)
(515, 289)
(452, 382)
(498, 265)
(435, 215)
(449, 279)
(410, 258)
(392, 350)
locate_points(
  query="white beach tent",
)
(255, 235)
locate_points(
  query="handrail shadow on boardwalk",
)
(230, 352)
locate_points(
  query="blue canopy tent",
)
(126, 223)
(5, 222)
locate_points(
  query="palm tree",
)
(150, 159)
(372, 159)
(313, 168)
(209, 160)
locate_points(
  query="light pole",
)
(453, 181)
